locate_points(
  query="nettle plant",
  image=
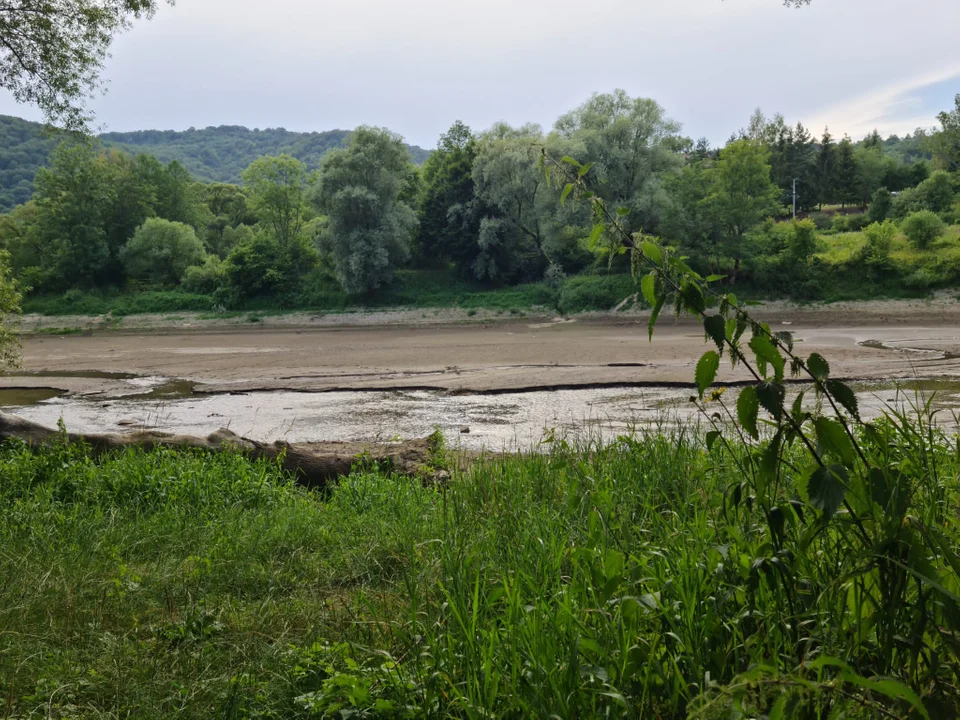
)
(852, 513)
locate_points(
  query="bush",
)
(881, 205)
(594, 292)
(161, 251)
(922, 228)
(801, 241)
(204, 278)
(879, 237)
(840, 224)
(856, 223)
(821, 220)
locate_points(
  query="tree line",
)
(481, 203)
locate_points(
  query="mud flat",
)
(505, 381)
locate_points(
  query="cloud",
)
(898, 108)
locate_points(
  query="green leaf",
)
(845, 396)
(715, 278)
(648, 286)
(595, 235)
(766, 352)
(623, 211)
(658, 306)
(707, 370)
(818, 366)
(834, 439)
(770, 458)
(879, 488)
(826, 488)
(748, 407)
(797, 411)
(693, 298)
(771, 396)
(716, 329)
(584, 169)
(569, 161)
(893, 689)
(712, 438)
(651, 251)
(566, 192)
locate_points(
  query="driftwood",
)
(314, 464)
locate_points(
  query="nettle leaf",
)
(707, 370)
(569, 161)
(826, 488)
(651, 251)
(693, 297)
(818, 366)
(771, 396)
(623, 211)
(716, 329)
(770, 458)
(834, 440)
(648, 286)
(595, 235)
(566, 193)
(845, 396)
(584, 169)
(748, 408)
(766, 352)
(715, 278)
(658, 306)
(797, 411)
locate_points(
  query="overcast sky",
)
(417, 66)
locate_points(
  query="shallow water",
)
(495, 422)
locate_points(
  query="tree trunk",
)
(314, 464)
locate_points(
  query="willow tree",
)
(52, 51)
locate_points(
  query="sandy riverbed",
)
(394, 374)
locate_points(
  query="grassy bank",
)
(641, 579)
(411, 289)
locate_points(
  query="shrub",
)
(923, 227)
(821, 220)
(856, 223)
(881, 205)
(594, 292)
(801, 241)
(879, 237)
(161, 251)
(204, 278)
(840, 224)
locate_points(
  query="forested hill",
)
(214, 154)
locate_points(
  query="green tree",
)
(52, 51)
(632, 145)
(871, 167)
(509, 183)
(369, 230)
(690, 220)
(9, 309)
(161, 251)
(277, 187)
(742, 193)
(824, 175)
(944, 144)
(449, 221)
(846, 185)
(881, 205)
(74, 201)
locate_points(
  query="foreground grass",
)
(633, 580)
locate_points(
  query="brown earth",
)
(449, 350)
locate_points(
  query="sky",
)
(417, 66)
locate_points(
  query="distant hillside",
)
(214, 154)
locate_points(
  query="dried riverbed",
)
(501, 383)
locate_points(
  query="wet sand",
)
(479, 358)
(502, 383)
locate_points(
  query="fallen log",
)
(314, 464)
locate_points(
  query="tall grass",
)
(636, 579)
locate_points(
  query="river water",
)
(492, 421)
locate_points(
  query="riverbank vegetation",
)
(117, 231)
(642, 578)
